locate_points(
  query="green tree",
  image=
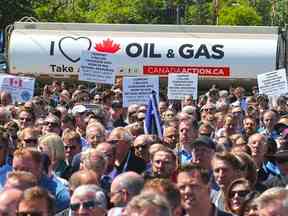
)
(12, 10)
(239, 15)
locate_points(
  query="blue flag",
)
(152, 124)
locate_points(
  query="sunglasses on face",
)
(72, 147)
(53, 124)
(86, 205)
(140, 147)
(30, 140)
(241, 193)
(28, 214)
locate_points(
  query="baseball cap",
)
(204, 141)
(78, 109)
(116, 104)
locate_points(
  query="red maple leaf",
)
(107, 46)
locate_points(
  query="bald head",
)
(9, 200)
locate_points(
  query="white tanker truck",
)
(216, 53)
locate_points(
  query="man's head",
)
(72, 143)
(124, 187)
(94, 160)
(269, 119)
(163, 163)
(95, 133)
(170, 137)
(273, 202)
(9, 200)
(123, 140)
(147, 204)
(37, 200)
(26, 118)
(88, 200)
(82, 177)
(29, 137)
(169, 190)
(203, 148)
(28, 160)
(108, 151)
(226, 167)
(21, 180)
(187, 101)
(52, 124)
(141, 146)
(188, 131)
(258, 145)
(80, 112)
(162, 106)
(193, 183)
(249, 125)
(132, 113)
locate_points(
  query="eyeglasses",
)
(53, 124)
(140, 147)
(29, 214)
(241, 193)
(72, 147)
(86, 205)
(30, 140)
(113, 142)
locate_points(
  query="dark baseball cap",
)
(204, 141)
(116, 104)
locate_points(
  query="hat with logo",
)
(79, 109)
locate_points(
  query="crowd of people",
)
(75, 151)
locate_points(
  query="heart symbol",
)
(69, 46)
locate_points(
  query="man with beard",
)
(249, 127)
(163, 164)
(193, 183)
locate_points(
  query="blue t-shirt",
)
(58, 190)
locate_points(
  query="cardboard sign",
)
(273, 83)
(97, 67)
(20, 88)
(136, 90)
(180, 85)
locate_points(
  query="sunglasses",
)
(141, 147)
(29, 214)
(86, 205)
(113, 142)
(53, 124)
(72, 147)
(30, 140)
(241, 194)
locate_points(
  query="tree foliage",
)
(239, 15)
(230, 12)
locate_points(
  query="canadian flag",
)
(14, 82)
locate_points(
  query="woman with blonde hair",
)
(52, 145)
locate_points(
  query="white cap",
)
(78, 109)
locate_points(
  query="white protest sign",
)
(136, 90)
(273, 83)
(180, 85)
(20, 88)
(97, 67)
